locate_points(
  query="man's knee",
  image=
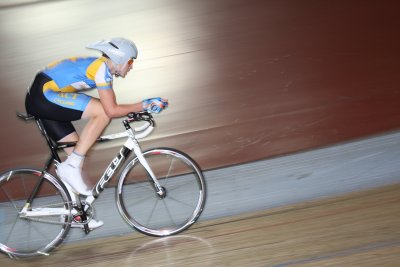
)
(103, 116)
(96, 111)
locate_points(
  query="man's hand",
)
(155, 105)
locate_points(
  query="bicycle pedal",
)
(92, 224)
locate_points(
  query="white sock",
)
(75, 160)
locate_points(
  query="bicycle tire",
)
(27, 236)
(185, 198)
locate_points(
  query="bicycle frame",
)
(130, 145)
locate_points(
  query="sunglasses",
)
(130, 61)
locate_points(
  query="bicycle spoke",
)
(9, 199)
(24, 186)
(137, 194)
(152, 212)
(180, 185)
(181, 202)
(169, 213)
(12, 228)
(169, 171)
(38, 230)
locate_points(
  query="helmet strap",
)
(111, 65)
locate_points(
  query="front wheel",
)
(183, 199)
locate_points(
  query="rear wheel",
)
(31, 229)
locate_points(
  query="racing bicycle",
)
(159, 192)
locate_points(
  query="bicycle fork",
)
(160, 190)
(130, 144)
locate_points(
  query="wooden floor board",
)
(358, 229)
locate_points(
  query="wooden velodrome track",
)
(361, 229)
(247, 81)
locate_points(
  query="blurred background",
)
(247, 80)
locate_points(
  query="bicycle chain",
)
(89, 214)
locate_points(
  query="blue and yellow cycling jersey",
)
(71, 75)
(79, 73)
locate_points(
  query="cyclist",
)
(56, 95)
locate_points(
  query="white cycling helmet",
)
(119, 50)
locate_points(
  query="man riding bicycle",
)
(56, 96)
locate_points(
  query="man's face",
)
(123, 69)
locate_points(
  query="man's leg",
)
(98, 121)
(72, 137)
(70, 170)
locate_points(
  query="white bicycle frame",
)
(131, 144)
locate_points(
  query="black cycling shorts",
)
(56, 119)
